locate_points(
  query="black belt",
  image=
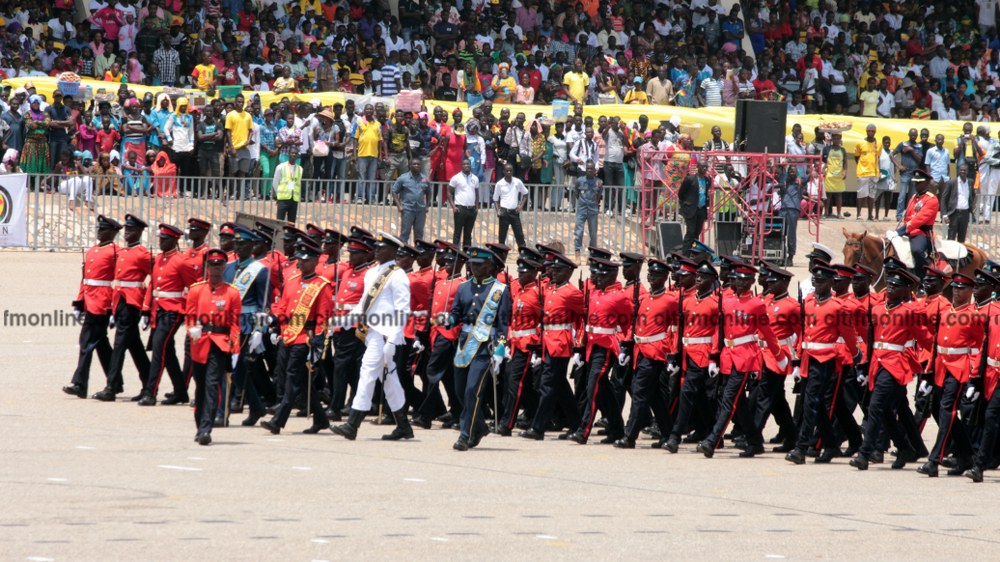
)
(214, 329)
(310, 325)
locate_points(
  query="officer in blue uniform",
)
(251, 278)
(482, 306)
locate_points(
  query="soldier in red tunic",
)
(213, 323)
(93, 304)
(984, 381)
(525, 343)
(347, 348)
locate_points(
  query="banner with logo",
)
(13, 210)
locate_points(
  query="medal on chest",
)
(220, 305)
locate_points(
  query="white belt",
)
(993, 362)
(957, 350)
(894, 346)
(787, 341)
(168, 294)
(522, 333)
(818, 345)
(602, 331)
(419, 313)
(695, 341)
(651, 339)
(556, 327)
(129, 284)
(841, 340)
(341, 306)
(741, 341)
(96, 283)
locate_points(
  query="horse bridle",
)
(862, 259)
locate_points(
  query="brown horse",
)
(871, 251)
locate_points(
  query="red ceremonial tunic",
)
(98, 275)
(525, 318)
(218, 310)
(746, 323)
(563, 314)
(319, 311)
(131, 269)
(609, 313)
(899, 332)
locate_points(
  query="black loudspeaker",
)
(727, 237)
(760, 126)
(669, 237)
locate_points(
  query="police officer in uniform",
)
(482, 308)
(213, 325)
(93, 304)
(133, 265)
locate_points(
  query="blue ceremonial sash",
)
(481, 332)
(244, 280)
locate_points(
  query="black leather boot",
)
(350, 429)
(403, 429)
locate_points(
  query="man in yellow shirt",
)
(239, 125)
(370, 148)
(205, 73)
(636, 96)
(869, 99)
(577, 82)
(866, 154)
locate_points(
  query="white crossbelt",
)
(993, 362)
(168, 294)
(894, 346)
(523, 333)
(957, 350)
(695, 341)
(602, 331)
(96, 283)
(818, 345)
(129, 284)
(556, 327)
(651, 339)
(419, 313)
(752, 338)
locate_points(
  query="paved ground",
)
(83, 480)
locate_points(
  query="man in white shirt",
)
(463, 198)
(509, 198)
(957, 200)
(380, 320)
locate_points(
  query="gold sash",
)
(301, 314)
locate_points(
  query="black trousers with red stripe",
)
(600, 395)
(648, 393)
(127, 340)
(838, 404)
(93, 337)
(883, 414)
(164, 354)
(951, 429)
(518, 389)
(991, 426)
(734, 404)
(815, 415)
(554, 392)
(208, 380)
(768, 399)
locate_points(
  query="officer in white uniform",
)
(380, 317)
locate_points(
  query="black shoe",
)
(219, 422)
(850, 451)
(421, 422)
(450, 424)
(252, 419)
(903, 456)
(949, 462)
(610, 439)
(476, 439)
(532, 434)
(578, 437)
(859, 462)
(659, 443)
(445, 417)
(565, 435)
(333, 415)
(235, 407)
(403, 429)
(625, 443)
(741, 443)
(503, 431)
(786, 447)
(272, 409)
(175, 399)
(147, 400)
(601, 423)
(270, 426)
(136, 398)
(316, 428)
(671, 445)
(929, 468)
(350, 428)
(706, 449)
(204, 438)
(105, 395)
(827, 455)
(752, 451)
(975, 474)
(461, 445)
(812, 452)
(779, 438)
(168, 395)
(961, 465)
(796, 456)
(691, 438)
(878, 457)
(75, 390)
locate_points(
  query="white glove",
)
(389, 351)
(783, 363)
(77, 314)
(713, 369)
(256, 340)
(925, 388)
(673, 368)
(508, 354)
(536, 360)
(417, 346)
(891, 234)
(862, 379)
(145, 323)
(111, 322)
(195, 332)
(623, 359)
(972, 394)
(236, 357)
(314, 354)
(796, 375)
(275, 337)
(495, 362)
(575, 360)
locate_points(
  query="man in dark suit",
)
(957, 200)
(693, 198)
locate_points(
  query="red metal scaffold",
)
(744, 193)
